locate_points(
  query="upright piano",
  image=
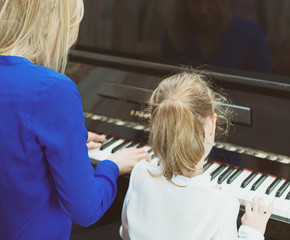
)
(115, 84)
(254, 159)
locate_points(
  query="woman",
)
(206, 32)
(46, 179)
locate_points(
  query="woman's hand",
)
(256, 218)
(94, 139)
(127, 158)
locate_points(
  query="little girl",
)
(174, 199)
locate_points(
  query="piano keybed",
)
(242, 183)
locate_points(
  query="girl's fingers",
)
(270, 210)
(248, 207)
(255, 205)
(219, 187)
(261, 205)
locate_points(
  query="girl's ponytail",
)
(177, 136)
(178, 107)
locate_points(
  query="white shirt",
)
(156, 209)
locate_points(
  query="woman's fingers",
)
(127, 158)
(93, 145)
(95, 137)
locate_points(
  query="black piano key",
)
(217, 171)
(259, 182)
(108, 143)
(282, 189)
(120, 146)
(140, 145)
(273, 185)
(207, 165)
(150, 150)
(248, 179)
(234, 175)
(288, 196)
(108, 139)
(133, 144)
(225, 174)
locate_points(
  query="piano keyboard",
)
(244, 184)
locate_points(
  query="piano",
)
(119, 60)
(114, 102)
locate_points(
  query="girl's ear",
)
(212, 122)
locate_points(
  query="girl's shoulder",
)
(144, 168)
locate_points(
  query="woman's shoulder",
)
(52, 77)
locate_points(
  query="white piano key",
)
(105, 153)
(282, 205)
(260, 192)
(272, 198)
(240, 192)
(287, 206)
(146, 148)
(226, 187)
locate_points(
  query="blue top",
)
(242, 46)
(46, 179)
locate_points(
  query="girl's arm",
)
(254, 218)
(251, 221)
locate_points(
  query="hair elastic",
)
(172, 98)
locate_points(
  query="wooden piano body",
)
(114, 100)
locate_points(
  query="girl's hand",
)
(94, 139)
(256, 218)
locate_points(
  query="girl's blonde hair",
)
(178, 107)
(40, 30)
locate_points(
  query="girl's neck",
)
(199, 168)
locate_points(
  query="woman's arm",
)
(58, 124)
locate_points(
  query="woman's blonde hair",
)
(178, 107)
(40, 30)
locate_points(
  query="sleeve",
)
(58, 124)
(246, 232)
